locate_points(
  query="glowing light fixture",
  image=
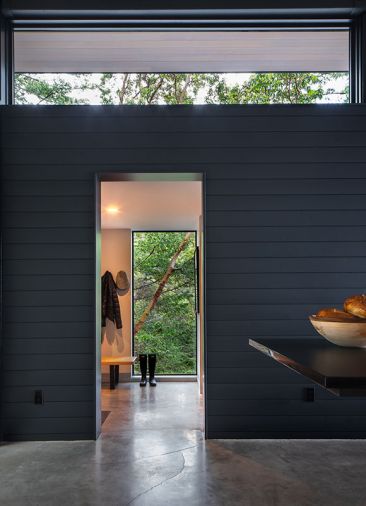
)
(112, 210)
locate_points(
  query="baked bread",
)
(356, 305)
(335, 314)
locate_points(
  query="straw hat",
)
(122, 283)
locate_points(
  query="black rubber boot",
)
(152, 366)
(143, 368)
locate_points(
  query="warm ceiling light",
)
(112, 210)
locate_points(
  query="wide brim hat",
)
(122, 283)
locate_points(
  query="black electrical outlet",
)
(309, 394)
(38, 397)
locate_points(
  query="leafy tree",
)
(29, 87)
(162, 283)
(152, 88)
(169, 329)
(148, 89)
(274, 88)
(140, 89)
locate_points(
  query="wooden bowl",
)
(350, 334)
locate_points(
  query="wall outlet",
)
(38, 397)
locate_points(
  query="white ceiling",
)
(156, 205)
(250, 51)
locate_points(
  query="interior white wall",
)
(116, 256)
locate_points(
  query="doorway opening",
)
(150, 265)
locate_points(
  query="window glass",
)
(239, 67)
(164, 303)
(149, 89)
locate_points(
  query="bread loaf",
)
(356, 305)
(335, 314)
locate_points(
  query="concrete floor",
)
(169, 406)
(153, 454)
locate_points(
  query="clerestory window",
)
(211, 67)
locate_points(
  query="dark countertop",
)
(340, 370)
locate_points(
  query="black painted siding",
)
(260, 8)
(286, 233)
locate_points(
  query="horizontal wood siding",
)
(286, 234)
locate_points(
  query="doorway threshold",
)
(172, 378)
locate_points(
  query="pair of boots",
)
(143, 358)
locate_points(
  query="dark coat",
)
(110, 302)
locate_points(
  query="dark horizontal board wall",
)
(70, 8)
(286, 234)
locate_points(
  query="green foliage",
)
(275, 88)
(148, 89)
(170, 330)
(151, 88)
(30, 89)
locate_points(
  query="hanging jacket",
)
(110, 302)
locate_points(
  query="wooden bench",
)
(114, 363)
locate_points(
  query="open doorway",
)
(152, 328)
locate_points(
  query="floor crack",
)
(163, 481)
(167, 453)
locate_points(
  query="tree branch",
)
(163, 282)
(169, 290)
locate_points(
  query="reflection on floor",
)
(153, 454)
(169, 406)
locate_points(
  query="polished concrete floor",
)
(169, 406)
(152, 453)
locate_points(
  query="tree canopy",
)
(170, 327)
(188, 88)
